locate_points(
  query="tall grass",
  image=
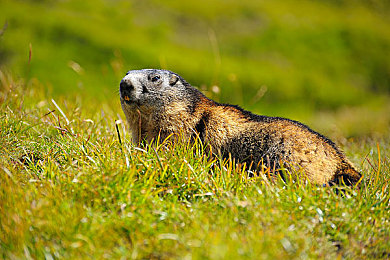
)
(70, 188)
(72, 185)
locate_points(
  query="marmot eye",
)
(155, 78)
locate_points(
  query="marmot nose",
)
(125, 85)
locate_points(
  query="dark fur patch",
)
(144, 89)
(194, 99)
(257, 148)
(269, 119)
(345, 174)
(200, 127)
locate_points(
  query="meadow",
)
(72, 185)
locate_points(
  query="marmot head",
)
(157, 100)
(151, 87)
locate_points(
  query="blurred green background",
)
(324, 62)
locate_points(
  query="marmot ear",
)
(173, 80)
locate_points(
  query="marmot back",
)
(160, 102)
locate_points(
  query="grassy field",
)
(273, 57)
(70, 188)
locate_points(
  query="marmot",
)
(160, 102)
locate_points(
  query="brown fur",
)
(170, 105)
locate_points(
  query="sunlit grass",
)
(72, 185)
(70, 189)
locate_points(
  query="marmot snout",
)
(160, 102)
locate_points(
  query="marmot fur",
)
(160, 102)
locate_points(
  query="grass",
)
(282, 57)
(70, 189)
